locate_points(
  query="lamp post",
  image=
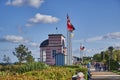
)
(110, 50)
(109, 62)
(110, 57)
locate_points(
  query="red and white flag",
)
(70, 27)
(82, 48)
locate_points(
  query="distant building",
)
(53, 50)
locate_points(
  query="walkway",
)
(104, 76)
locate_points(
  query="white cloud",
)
(89, 50)
(86, 52)
(13, 38)
(15, 2)
(33, 44)
(33, 3)
(114, 35)
(39, 18)
(43, 18)
(94, 39)
(117, 44)
(36, 53)
(8, 2)
(29, 24)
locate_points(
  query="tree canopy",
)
(110, 55)
(23, 54)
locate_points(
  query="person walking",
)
(79, 76)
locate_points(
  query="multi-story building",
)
(53, 50)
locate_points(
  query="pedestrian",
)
(88, 65)
(80, 76)
(89, 74)
(95, 65)
(105, 67)
(98, 66)
(74, 77)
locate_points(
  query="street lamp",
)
(109, 58)
(110, 49)
(109, 62)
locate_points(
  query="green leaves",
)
(23, 54)
(32, 67)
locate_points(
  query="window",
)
(44, 56)
(63, 43)
(53, 53)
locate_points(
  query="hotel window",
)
(63, 43)
(44, 56)
(53, 53)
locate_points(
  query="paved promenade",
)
(105, 76)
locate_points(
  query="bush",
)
(53, 73)
(113, 65)
(41, 71)
(5, 68)
(31, 67)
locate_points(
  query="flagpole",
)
(67, 47)
(81, 50)
(80, 54)
(71, 58)
(82, 57)
(70, 29)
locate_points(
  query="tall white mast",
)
(69, 48)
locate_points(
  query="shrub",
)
(31, 67)
(53, 73)
(44, 72)
(113, 65)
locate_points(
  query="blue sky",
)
(97, 24)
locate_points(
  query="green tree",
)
(106, 55)
(110, 49)
(6, 59)
(102, 55)
(97, 57)
(22, 53)
(29, 58)
(117, 55)
(111, 57)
